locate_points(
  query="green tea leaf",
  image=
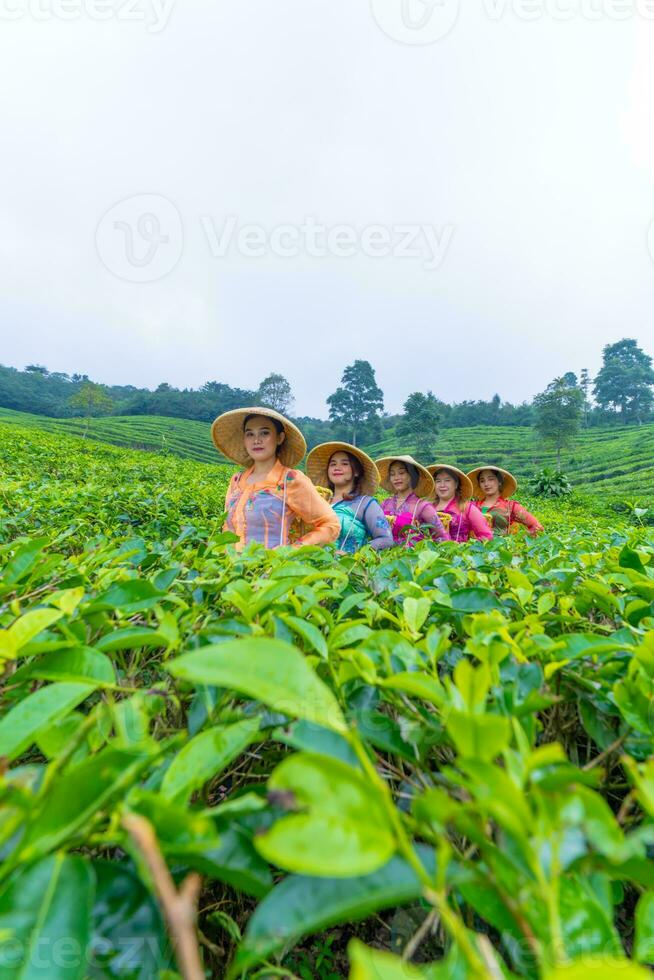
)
(599, 968)
(272, 671)
(79, 664)
(299, 906)
(475, 600)
(480, 737)
(128, 934)
(21, 724)
(131, 638)
(341, 829)
(45, 917)
(644, 942)
(205, 756)
(415, 612)
(30, 625)
(22, 563)
(372, 964)
(78, 795)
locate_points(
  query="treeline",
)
(41, 392)
(622, 392)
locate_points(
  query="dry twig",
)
(179, 907)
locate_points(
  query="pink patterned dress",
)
(414, 520)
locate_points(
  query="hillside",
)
(181, 437)
(616, 460)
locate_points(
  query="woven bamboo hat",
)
(510, 482)
(318, 461)
(425, 486)
(227, 435)
(464, 482)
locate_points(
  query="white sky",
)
(527, 146)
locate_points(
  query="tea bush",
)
(464, 733)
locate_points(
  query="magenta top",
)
(414, 511)
(471, 521)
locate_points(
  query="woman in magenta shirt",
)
(412, 516)
(453, 497)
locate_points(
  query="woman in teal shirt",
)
(352, 478)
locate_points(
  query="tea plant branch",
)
(421, 932)
(179, 907)
(435, 896)
(606, 753)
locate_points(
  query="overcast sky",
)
(209, 190)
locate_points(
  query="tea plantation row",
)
(618, 461)
(426, 764)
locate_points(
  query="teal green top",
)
(362, 522)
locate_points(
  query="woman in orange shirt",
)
(269, 496)
(493, 488)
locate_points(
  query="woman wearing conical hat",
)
(453, 499)
(413, 515)
(493, 488)
(353, 479)
(266, 498)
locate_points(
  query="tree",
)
(625, 381)
(420, 424)
(37, 369)
(558, 411)
(275, 392)
(359, 400)
(92, 400)
(584, 384)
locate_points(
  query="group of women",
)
(273, 503)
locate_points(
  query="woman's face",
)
(261, 439)
(339, 471)
(445, 485)
(400, 478)
(489, 483)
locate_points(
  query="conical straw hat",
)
(227, 435)
(318, 461)
(510, 482)
(466, 484)
(425, 486)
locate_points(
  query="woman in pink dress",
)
(412, 516)
(453, 499)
